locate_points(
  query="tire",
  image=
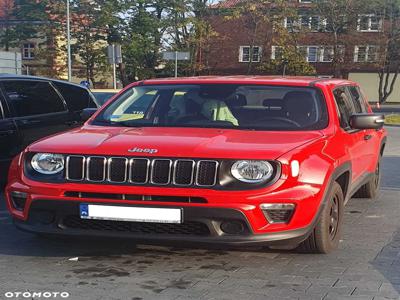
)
(370, 190)
(326, 234)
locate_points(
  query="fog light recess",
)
(232, 227)
(278, 213)
(18, 200)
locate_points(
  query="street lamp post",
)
(69, 44)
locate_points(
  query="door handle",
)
(30, 122)
(71, 123)
(367, 137)
(7, 132)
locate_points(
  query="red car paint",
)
(320, 153)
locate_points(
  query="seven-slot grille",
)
(141, 171)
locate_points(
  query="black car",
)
(34, 107)
(103, 95)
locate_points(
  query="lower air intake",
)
(188, 228)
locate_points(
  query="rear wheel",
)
(371, 188)
(325, 236)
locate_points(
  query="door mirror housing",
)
(367, 121)
(87, 113)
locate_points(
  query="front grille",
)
(188, 228)
(96, 169)
(142, 171)
(161, 171)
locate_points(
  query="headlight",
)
(48, 164)
(252, 171)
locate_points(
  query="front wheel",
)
(325, 236)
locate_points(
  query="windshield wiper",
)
(113, 123)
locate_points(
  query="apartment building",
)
(235, 49)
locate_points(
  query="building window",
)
(312, 23)
(276, 53)
(28, 51)
(327, 53)
(291, 24)
(368, 23)
(312, 54)
(250, 54)
(364, 54)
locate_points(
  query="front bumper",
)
(241, 206)
(201, 226)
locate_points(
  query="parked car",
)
(258, 160)
(32, 108)
(103, 95)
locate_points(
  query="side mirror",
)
(367, 121)
(87, 113)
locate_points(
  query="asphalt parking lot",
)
(367, 266)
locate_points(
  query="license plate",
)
(131, 214)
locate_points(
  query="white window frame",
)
(251, 54)
(241, 54)
(322, 53)
(309, 22)
(31, 50)
(317, 54)
(319, 58)
(295, 26)
(367, 53)
(380, 23)
(274, 51)
(298, 24)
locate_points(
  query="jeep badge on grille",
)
(141, 150)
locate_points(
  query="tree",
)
(290, 58)
(264, 22)
(389, 52)
(142, 37)
(255, 16)
(341, 19)
(20, 21)
(7, 34)
(89, 34)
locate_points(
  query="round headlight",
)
(48, 164)
(252, 171)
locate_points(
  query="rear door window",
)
(345, 107)
(77, 98)
(358, 100)
(29, 98)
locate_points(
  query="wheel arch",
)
(383, 146)
(342, 175)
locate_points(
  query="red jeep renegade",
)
(234, 160)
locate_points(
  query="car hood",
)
(176, 142)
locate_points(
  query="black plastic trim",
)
(212, 217)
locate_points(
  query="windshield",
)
(254, 107)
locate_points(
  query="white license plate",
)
(131, 214)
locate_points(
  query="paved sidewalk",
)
(367, 266)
